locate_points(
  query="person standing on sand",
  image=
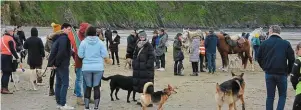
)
(202, 54)
(131, 44)
(108, 36)
(79, 81)
(36, 52)
(211, 43)
(178, 55)
(194, 55)
(255, 43)
(155, 40)
(143, 63)
(93, 53)
(277, 66)
(59, 60)
(160, 50)
(21, 34)
(114, 47)
(296, 78)
(56, 31)
(8, 51)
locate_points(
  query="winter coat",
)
(6, 60)
(114, 46)
(60, 52)
(211, 42)
(131, 44)
(177, 44)
(255, 41)
(81, 34)
(276, 56)
(194, 55)
(143, 67)
(93, 51)
(154, 41)
(161, 48)
(49, 41)
(36, 52)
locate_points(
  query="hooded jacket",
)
(93, 51)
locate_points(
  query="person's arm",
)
(260, 55)
(12, 49)
(291, 58)
(25, 46)
(177, 45)
(295, 75)
(53, 53)
(42, 48)
(81, 50)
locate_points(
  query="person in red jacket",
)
(79, 83)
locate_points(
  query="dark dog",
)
(123, 82)
(230, 91)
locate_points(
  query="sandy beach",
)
(194, 93)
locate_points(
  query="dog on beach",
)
(234, 62)
(128, 62)
(160, 97)
(29, 76)
(123, 82)
(230, 91)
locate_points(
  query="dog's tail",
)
(146, 85)
(106, 79)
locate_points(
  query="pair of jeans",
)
(79, 86)
(255, 48)
(273, 81)
(162, 59)
(62, 84)
(92, 78)
(5, 79)
(115, 55)
(211, 61)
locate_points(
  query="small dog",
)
(29, 76)
(234, 62)
(160, 97)
(230, 91)
(128, 62)
(123, 82)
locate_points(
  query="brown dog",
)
(128, 62)
(230, 91)
(159, 97)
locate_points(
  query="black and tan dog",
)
(160, 97)
(230, 91)
(123, 82)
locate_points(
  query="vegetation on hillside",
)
(150, 14)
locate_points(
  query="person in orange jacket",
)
(202, 55)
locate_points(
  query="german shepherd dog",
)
(230, 91)
(159, 97)
(123, 82)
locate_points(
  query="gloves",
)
(108, 61)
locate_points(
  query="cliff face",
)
(152, 14)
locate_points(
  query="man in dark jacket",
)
(36, 52)
(108, 36)
(21, 34)
(131, 44)
(143, 63)
(211, 42)
(276, 58)
(114, 47)
(59, 60)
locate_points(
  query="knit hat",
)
(56, 27)
(142, 34)
(34, 32)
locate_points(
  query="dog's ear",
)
(233, 74)
(242, 74)
(217, 88)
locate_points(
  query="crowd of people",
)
(96, 49)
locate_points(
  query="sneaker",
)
(66, 107)
(58, 106)
(161, 69)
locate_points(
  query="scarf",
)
(140, 44)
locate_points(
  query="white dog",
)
(234, 62)
(27, 76)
